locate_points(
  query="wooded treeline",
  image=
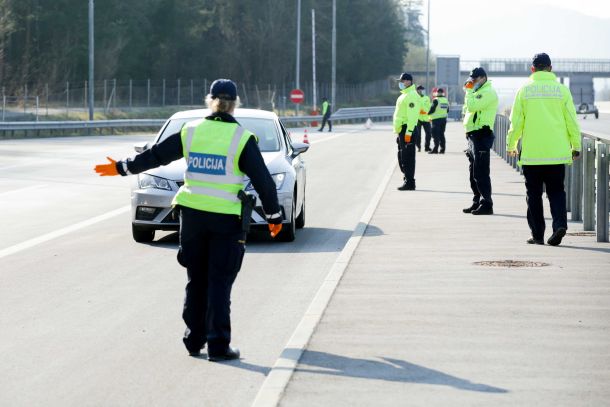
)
(45, 41)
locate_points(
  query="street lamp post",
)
(428, 50)
(91, 60)
(334, 59)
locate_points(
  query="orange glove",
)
(469, 84)
(107, 170)
(407, 138)
(275, 229)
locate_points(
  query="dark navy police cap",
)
(420, 87)
(541, 60)
(223, 89)
(405, 77)
(478, 72)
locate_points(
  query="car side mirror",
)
(140, 147)
(299, 148)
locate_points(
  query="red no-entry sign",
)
(297, 96)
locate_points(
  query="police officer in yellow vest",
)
(406, 116)
(219, 153)
(481, 108)
(439, 111)
(544, 118)
(424, 119)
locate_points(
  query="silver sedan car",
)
(152, 191)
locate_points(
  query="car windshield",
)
(264, 129)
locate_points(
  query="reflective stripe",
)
(190, 132)
(275, 215)
(529, 159)
(229, 177)
(216, 193)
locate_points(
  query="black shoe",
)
(419, 150)
(428, 149)
(319, 129)
(556, 237)
(195, 352)
(470, 208)
(230, 354)
(442, 152)
(406, 187)
(432, 152)
(483, 210)
(531, 240)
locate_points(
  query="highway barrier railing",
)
(53, 128)
(587, 179)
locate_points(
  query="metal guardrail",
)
(587, 179)
(352, 114)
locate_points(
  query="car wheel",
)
(300, 223)
(142, 235)
(289, 231)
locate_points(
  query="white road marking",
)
(61, 232)
(31, 162)
(274, 385)
(22, 189)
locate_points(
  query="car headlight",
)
(150, 181)
(277, 178)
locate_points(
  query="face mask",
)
(402, 86)
(477, 86)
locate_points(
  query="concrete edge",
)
(272, 389)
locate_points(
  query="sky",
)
(477, 30)
(519, 28)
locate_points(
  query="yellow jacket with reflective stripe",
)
(544, 118)
(442, 108)
(425, 107)
(407, 110)
(481, 107)
(212, 179)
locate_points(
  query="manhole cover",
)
(510, 263)
(581, 234)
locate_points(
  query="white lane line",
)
(61, 232)
(26, 164)
(274, 385)
(22, 189)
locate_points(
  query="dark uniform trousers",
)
(212, 247)
(326, 119)
(406, 155)
(552, 177)
(427, 130)
(438, 133)
(479, 146)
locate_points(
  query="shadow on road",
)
(386, 369)
(466, 192)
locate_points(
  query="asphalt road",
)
(600, 126)
(89, 317)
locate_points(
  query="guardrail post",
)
(588, 180)
(130, 93)
(3, 106)
(148, 92)
(602, 192)
(576, 191)
(67, 98)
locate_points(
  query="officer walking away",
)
(481, 105)
(439, 111)
(406, 116)
(326, 115)
(219, 153)
(424, 119)
(544, 117)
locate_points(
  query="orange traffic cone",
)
(305, 139)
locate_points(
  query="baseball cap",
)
(405, 77)
(541, 60)
(223, 89)
(420, 87)
(478, 72)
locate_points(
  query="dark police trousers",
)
(406, 155)
(479, 144)
(212, 247)
(552, 177)
(426, 127)
(325, 119)
(438, 133)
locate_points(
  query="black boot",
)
(471, 208)
(483, 210)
